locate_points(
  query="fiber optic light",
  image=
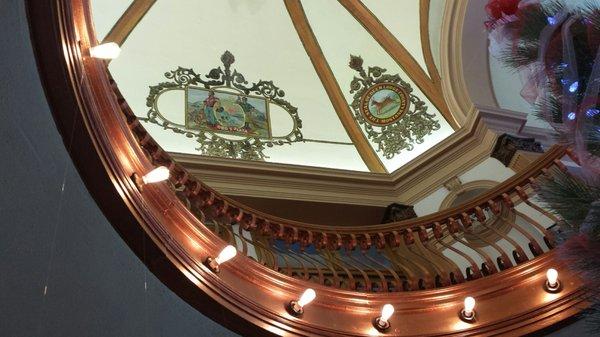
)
(225, 255)
(296, 308)
(381, 323)
(107, 51)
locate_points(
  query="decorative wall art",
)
(228, 117)
(226, 112)
(392, 117)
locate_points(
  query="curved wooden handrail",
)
(248, 297)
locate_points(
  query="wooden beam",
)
(434, 74)
(403, 58)
(331, 86)
(128, 21)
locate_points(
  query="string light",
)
(574, 86)
(296, 308)
(381, 323)
(225, 255)
(106, 51)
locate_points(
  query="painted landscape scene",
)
(226, 112)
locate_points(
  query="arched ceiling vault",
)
(311, 67)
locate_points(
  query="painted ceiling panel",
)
(264, 42)
(106, 13)
(401, 18)
(338, 44)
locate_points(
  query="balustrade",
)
(434, 251)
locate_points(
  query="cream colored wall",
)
(106, 13)
(489, 169)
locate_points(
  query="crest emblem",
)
(391, 115)
(384, 103)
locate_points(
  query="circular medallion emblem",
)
(384, 103)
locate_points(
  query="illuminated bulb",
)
(381, 323)
(386, 313)
(108, 50)
(296, 308)
(574, 86)
(469, 306)
(226, 254)
(552, 284)
(158, 174)
(307, 297)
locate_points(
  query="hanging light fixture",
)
(296, 308)
(106, 51)
(225, 255)
(467, 314)
(381, 323)
(158, 174)
(552, 284)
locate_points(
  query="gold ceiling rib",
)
(426, 43)
(127, 22)
(331, 86)
(402, 57)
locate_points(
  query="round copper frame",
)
(245, 297)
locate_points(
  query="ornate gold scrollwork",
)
(404, 122)
(212, 142)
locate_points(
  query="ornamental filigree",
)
(227, 116)
(391, 115)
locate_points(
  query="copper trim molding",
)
(245, 296)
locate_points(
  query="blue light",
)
(571, 116)
(574, 86)
(592, 112)
(551, 20)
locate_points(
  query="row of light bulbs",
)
(162, 173)
(296, 307)
(382, 323)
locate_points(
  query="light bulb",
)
(386, 312)
(552, 276)
(469, 306)
(307, 297)
(226, 254)
(108, 50)
(158, 174)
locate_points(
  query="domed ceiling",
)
(337, 84)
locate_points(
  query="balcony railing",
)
(400, 256)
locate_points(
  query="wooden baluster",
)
(419, 248)
(449, 267)
(488, 266)
(438, 234)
